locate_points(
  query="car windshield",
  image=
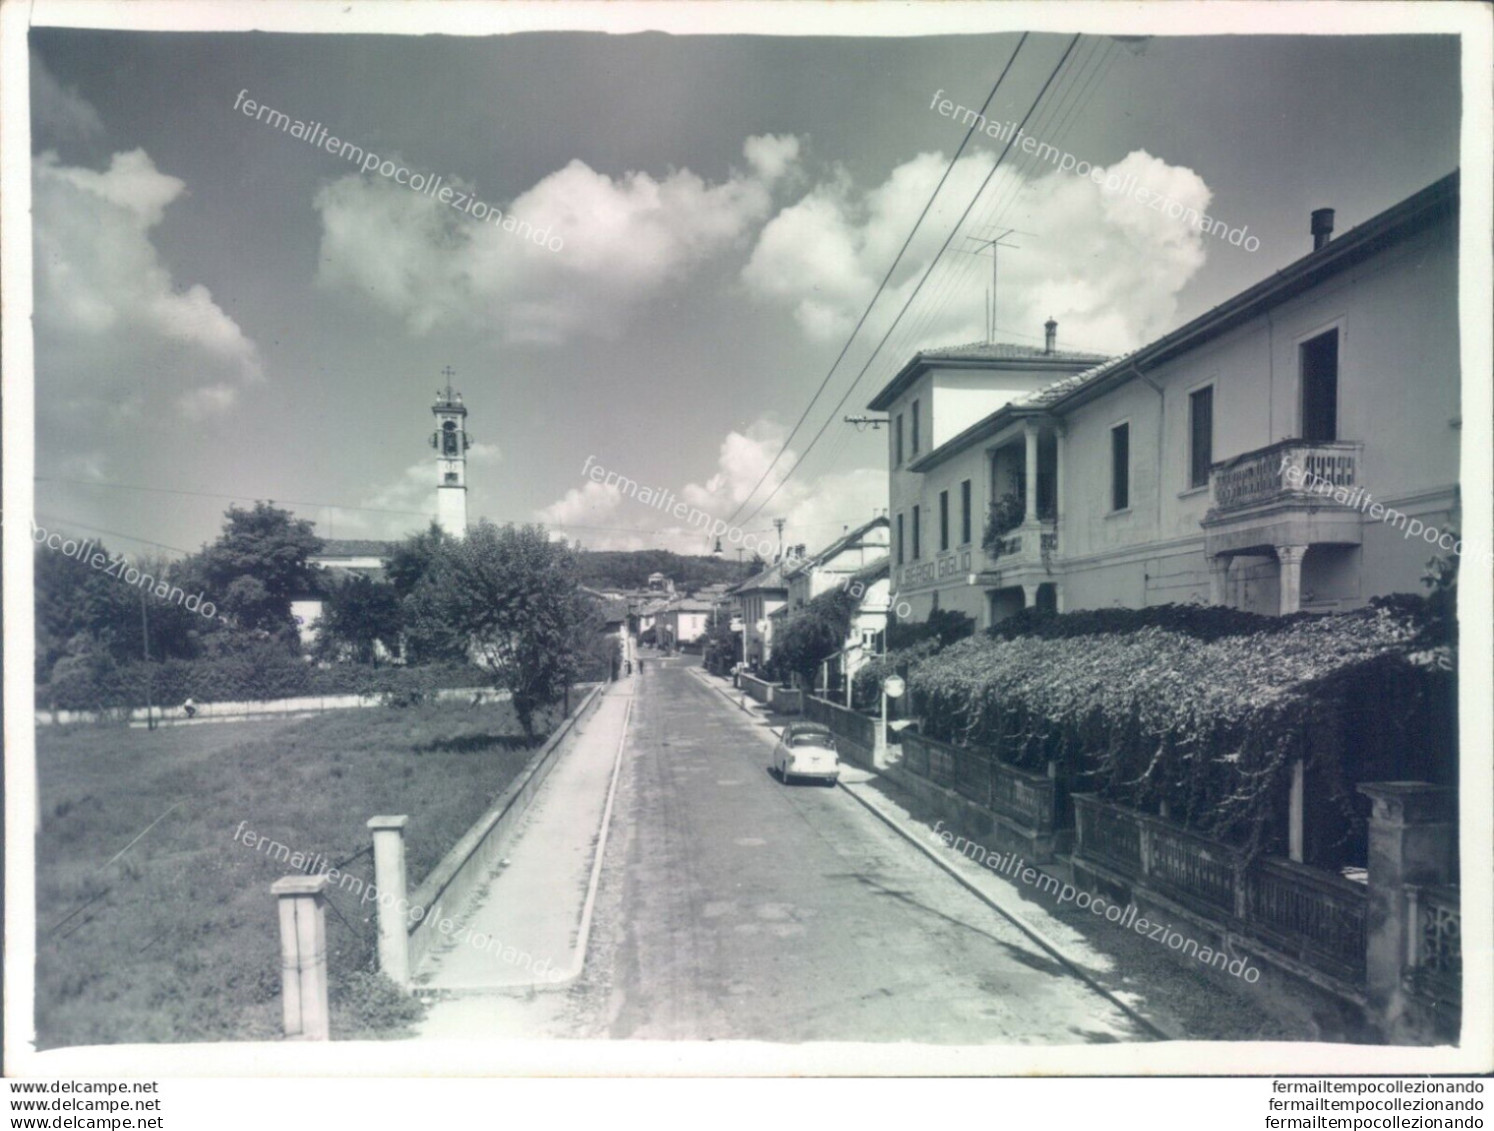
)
(812, 738)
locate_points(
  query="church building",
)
(345, 556)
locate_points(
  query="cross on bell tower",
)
(451, 443)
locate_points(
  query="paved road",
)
(741, 909)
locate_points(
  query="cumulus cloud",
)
(59, 113)
(622, 239)
(614, 514)
(407, 501)
(116, 331)
(1108, 268)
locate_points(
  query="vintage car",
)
(806, 750)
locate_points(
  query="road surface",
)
(733, 907)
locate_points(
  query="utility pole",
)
(778, 524)
(150, 719)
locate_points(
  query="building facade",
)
(1271, 455)
(807, 576)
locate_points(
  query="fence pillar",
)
(391, 908)
(1413, 839)
(303, 955)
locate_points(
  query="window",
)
(1200, 436)
(965, 513)
(1120, 467)
(917, 511)
(915, 428)
(897, 442)
(899, 539)
(943, 521)
(1320, 388)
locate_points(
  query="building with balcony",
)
(1267, 455)
(940, 405)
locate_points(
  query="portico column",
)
(1029, 596)
(1290, 584)
(1218, 580)
(1029, 435)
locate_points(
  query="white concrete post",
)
(1290, 585)
(389, 878)
(303, 955)
(1030, 436)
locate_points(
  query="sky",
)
(226, 312)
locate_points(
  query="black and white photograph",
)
(802, 539)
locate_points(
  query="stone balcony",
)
(1291, 493)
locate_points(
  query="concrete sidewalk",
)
(527, 929)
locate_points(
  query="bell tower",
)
(451, 443)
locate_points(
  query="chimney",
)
(1322, 227)
(1052, 330)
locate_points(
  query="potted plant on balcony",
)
(1006, 514)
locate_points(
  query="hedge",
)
(95, 685)
(1207, 715)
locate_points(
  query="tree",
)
(258, 564)
(411, 559)
(510, 597)
(813, 634)
(73, 599)
(358, 615)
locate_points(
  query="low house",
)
(754, 602)
(682, 621)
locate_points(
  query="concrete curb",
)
(583, 937)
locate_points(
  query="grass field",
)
(177, 939)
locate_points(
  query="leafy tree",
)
(73, 600)
(411, 559)
(358, 615)
(510, 597)
(813, 634)
(258, 564)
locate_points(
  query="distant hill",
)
(629, 569)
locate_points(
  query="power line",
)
(880, 288)
(294, 503)
(948, 239)
(213, 495)
(116, 533)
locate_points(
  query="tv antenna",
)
(995, 244)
